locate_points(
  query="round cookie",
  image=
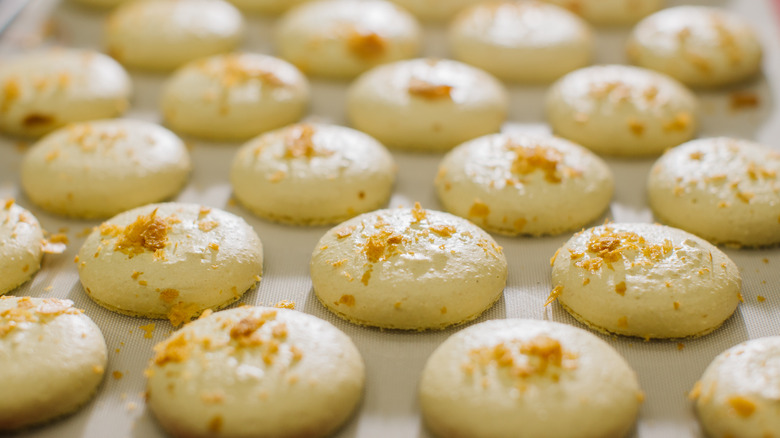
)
(699, 46)
(722, 189)
(166, 34)
(53, 359)
(526, 378)
(255, 372)
(170, 260)
(45, 90)
(410, 269)
(343, 38)
(266, 6)
(435, 10)
(622, 110)
(20, 245)
(312, 174)
(611, 12)
(102, 168)
(737, 394)
(103, 4)
(521, 41)
(643, 280)
(524, 184)
(234, 97)
(426, 104)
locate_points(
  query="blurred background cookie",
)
(166, 34)
(427, 105)
(21, 239)
(47, 89)
(234, 97)
(343, 38)
(526, 41)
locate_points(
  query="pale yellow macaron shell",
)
(643, 280)
(312, 174)
(255, 372)
(622, 110)
(343, 38)
(53, 359)
(738, 392)
(170, 260)
(524, 184)
(47, 89)
(410, 269)
(426, 105)
(166, 34)
(611, 12)
(699, 46)
(21, 239)
(102, 168)
(234, 96)
(524, 378)
(725, 190)
(525, 41)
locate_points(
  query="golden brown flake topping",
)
(443, 230)
(742, 405)
(366, 44)
(235, 72)
(479, 209)
(9, 203)
(539, 356)
(148, 232)
(554, 294)
(299, 143)
(169, 295)
(381, 244)
(285, 304)
(529, 159)
(27, 312)
(428, 90)
(610, 246)
(680, 122)
(175, 350)
(182, 312)
(620, 288)
(207, 226)
(418, 212)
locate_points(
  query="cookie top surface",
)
(234, 97)
(165, 34)
(611, 12)
(700, 46)
(524, 184)
(343, 38)
(255, 371)
(723, 189)
(170, 260)
(644, 280)
(435, 10)
(622, 110)
(266, 6)
(426, 104)
(411, 269)
(521, 41)
(20, 245)
(528, 378)
(101, 168)
(737, 394)
(53, 358)
(311, 174)
(44, 90)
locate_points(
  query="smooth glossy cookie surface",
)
(410, 269)
(643, 280)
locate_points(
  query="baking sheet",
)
(394, 360)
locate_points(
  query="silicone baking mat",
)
(394, 360)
